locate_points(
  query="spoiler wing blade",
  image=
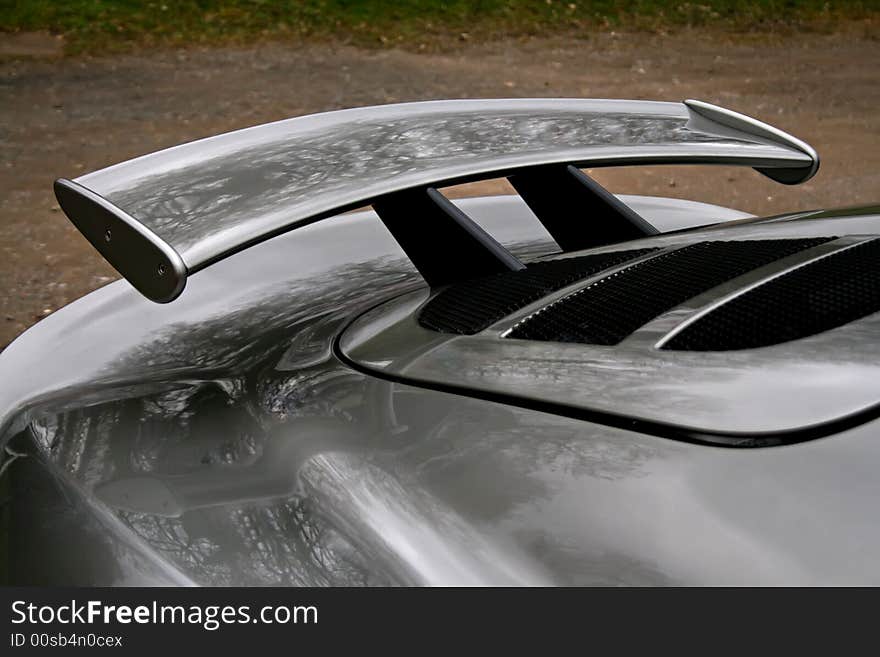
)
(174, 212)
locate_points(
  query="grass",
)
(96, 26)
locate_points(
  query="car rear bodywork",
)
(290, 419)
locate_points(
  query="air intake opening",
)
(469, 307)
(610, 309)
(832, 291)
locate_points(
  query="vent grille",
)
(819, 296)
(610, 309)
(469, 307)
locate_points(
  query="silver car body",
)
(283, 421)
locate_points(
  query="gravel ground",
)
(67, 116)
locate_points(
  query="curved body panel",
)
(96, 340)
(222, 441)
(777, 394)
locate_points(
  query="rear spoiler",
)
(160, 217)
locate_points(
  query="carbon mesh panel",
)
(830, 292)
(607, 311)
(473, 305)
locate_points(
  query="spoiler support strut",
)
(576, 210)
(443, 243)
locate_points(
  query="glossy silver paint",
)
(737, 121)
(210, 198)
(72, 349)
(219, 440)
(746, 394)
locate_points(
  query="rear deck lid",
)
(757, 334)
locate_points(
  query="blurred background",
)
(87, 83)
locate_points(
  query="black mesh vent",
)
(471, 306)
(610, 309)
(817, 297)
